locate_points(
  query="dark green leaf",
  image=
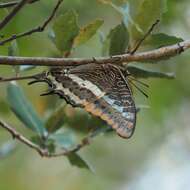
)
(23, 109)
(83, 122)
(7, 148)
(44, 143)
(87, 32)
(117, 40)
(65, 29)
(161, 39)
(38, 140)
(56, 120)
(105, 45)
(76, 160)
(50, 145)
(143, 73)
(80, 122)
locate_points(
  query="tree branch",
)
(13, 3)
(34, 30)
(152, 55)
(14, 11)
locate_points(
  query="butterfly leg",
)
(66, 98)
(42, 77)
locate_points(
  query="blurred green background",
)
(158, 153)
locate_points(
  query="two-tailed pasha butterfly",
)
(100, 89)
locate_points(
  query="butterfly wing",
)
(101, 90)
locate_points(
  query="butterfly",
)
(100, 89)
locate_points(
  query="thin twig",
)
(8, 4)
(37, 29)
(51, 16)
(21, 138)
(13, 3)
(144, 37)
(43, 151)
(14, 11)
(152, 55)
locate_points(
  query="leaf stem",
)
(144, 37)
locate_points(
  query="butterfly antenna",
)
(15, 78)
(140, 82)
(36, 77)
(138, 88)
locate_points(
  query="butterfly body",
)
(101, 90)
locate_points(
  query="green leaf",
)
(139, 72)
(161, 39)
(76, 160)
(65, 29)
(119, 39)
(122, 7)
(144, 14)
(87, 32)
(56, 120)
(7, 148)
(116, 41)
(63, 138)
(24, 109)
(67, 140)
